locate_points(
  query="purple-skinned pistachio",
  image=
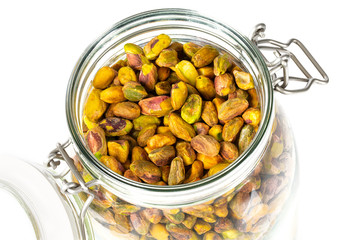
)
(158, 106)
(224, 84)
(146, 171)
(135, 56)
(148, 76)
(96, 140)
(114, 126)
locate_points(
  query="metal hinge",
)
(59, 157)
(282, 59)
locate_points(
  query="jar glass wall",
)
(241, 202)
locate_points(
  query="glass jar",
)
(248, 200)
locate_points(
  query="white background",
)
(40, 42)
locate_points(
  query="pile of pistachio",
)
(170, 113)
(246, 212)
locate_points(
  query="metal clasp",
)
(282, 59)
(55, 158)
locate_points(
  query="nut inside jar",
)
(174, 101)
(246, 212)
(175, 113)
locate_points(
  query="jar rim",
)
(125, 187)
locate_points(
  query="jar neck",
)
(139, 29)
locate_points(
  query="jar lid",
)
(49, 212)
